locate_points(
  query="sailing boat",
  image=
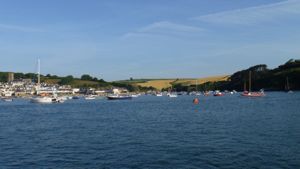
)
(170, 94)
(252, 94)
(287, 86)
(197, 93)
(41, 99)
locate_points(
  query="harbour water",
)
(153, 132)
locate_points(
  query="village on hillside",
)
(28, 88)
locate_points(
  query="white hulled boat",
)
(172, 94)
(119, 97)
(90, 97)
(159, 94)
(43, 99)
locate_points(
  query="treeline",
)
(262, 78)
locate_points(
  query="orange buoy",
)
(196, 101)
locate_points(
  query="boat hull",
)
(219, 94)
(7, 99)
(43, 100)
(253, 94)
(119, 97)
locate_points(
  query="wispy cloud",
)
(166, 28)
(254, 15)
(6, 27)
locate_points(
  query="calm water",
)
(153, 132)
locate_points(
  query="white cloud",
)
(169, 26)
(254, 15)
(165, 28)
(7, 27)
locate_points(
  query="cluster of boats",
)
(62, 99)
(87, 97)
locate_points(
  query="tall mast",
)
(245, 85)
(39, 72)
(287, 83)
(250, 81)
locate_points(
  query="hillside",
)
(160, 84)
(263, 78)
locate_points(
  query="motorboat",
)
(158, 94)
(45, 99)
(90, 97)
(218, 93)
(119, 97)
(135, 95)
(172, 94)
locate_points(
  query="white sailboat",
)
(287, 86)
(171, 94)
(159, 94)
(42, 99)
(197, 93)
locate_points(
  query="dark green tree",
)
(86, 77)
(66, 80)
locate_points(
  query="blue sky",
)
(119, 39)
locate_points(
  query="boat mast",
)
(38, 86)
(39, 72)
(250, 81)
(287, 83)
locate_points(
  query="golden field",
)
(158, 84)
(164, 83)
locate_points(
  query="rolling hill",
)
(166, 83)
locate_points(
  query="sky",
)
(119, 39)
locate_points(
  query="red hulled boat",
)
(251, 94)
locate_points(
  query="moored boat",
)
(249, 93)
(158, 94)
(287, 86)
(135, 95)
(7, 99)
(218, 93)
(90, 97)
(43, 100)
(41, 97)
(119, 97)
(253, 94)
(172, 94)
